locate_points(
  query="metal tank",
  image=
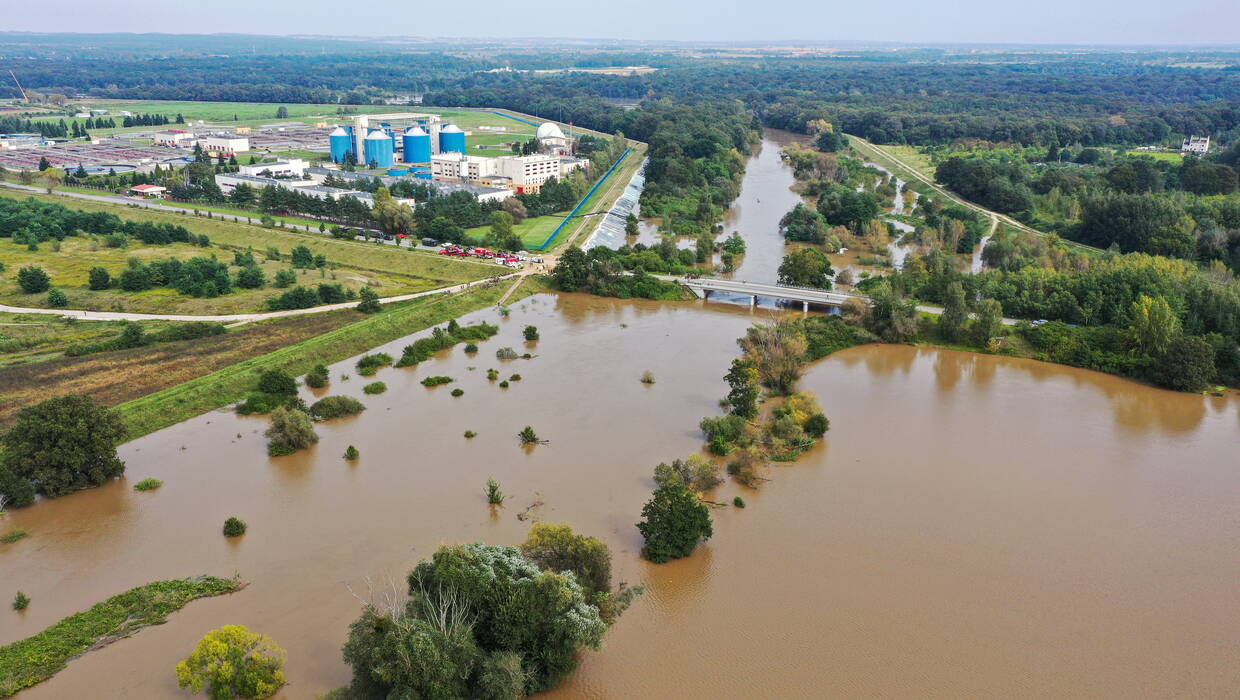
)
(379, 149)
(417, 144)
(340, 143)
(451, 138)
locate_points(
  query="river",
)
(973, 525)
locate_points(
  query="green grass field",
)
(914, 158)
(1168, 156)
(356, 264)
(533, 231)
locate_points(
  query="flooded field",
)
(973, 525)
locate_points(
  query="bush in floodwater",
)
(471, 348)
(506, 353)
(816, 425)
(436, 380)
(458, 392)
(526, 356)
(290, 430)
(515, 378)
(503, 384)
(367, 365)
(470, 434)
(530, 333)
(647, 377)
(330, 407)
(495, 496)
(375, 388)
(738, 502)
(20, 601)
(492, 374)
(317, 378)
(234, 527)
(259, 403)
(147, 485)
(528, 435)
(276, 381)
(14, 535)
(351, 453)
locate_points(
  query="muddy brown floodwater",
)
(972, 526)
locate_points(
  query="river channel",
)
(973, 525)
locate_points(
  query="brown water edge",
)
(974, 525)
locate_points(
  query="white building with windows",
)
(173, 138)
(228, 144)
(293, 167)
(1199, 145)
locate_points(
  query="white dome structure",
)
(548, 131)
(338, 131)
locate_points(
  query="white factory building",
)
(523, 173)
(228, 144)
(293, 167)
(173, 138)
(1199, 145)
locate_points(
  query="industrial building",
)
(173, 138)
(405, 137)
(293, 167)
(1199, 145)
(227, 144)
(525, 173)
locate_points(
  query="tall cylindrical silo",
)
(417, 144)
(340, 143)
(379, 150)
(451, 138)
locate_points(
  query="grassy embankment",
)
(533, 231)
(388, 271)
(35, 659)
(230, 384)
(29, 338)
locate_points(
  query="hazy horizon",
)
(968, 22)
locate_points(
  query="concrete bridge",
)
(703, 286)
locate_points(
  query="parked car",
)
(429, 241)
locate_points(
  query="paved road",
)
(227, 318)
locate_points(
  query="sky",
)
(1089, 22)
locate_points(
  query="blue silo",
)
(417, 145)
(379, 150)
(451, 138)
(341, 143)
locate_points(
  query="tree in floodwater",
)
(62, 445)
(673, 522)
(233, 662)
(777, 351)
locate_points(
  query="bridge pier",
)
(753, 300)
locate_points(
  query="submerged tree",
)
(674, 521)
(290, 430)
(233, 662)
(62, 445)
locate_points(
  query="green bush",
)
(367, 365)
(290, 430)
(14, 535)
(530, 333)
(234, 527)
(375, 388)
(351, 453)
(506, 353)
(816, 425)
(503, 384)
(317, 378)
(57, 299)
(17, 491)
(528, 435)
(458, 392)
(20, 601)
(442, 339)
(495, 496)
(738, 502)
(330, 407)
(470, 434)
(436, 381)
(276, 381)
(33, 280)
(148, 485)
(471, 348)
(492, 374)
(64, 444)
(515, 378)
(258, 403)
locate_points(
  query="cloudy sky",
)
(912, 21)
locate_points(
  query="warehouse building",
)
(173, 138)
(227, 144)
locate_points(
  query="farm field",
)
(387, 270)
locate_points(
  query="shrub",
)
(351, 453)
(14, 535)
(506, 353)
(528, 435)
(233, 662)
(317, 378)
(33, 280)
(647, 377)
(1187, 365)
(290, 430)
(276, 381)
(16, 491)
(20, 601)
(495, 495)
(697, 473)
(530, 333)
(375, 388)
(367, 365)
(330, 407)
(492, 374)
(503, 384)
(471, 348)
(148, 485)
(470, 434)
(458, 392)
(738, 502)
(285, 277)
(436, 381)
(258, 403)
(370, 301)
(57, 299)
(64, 444)
(817, 425)
(234, 527)
(515, 378)
(99, 279)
